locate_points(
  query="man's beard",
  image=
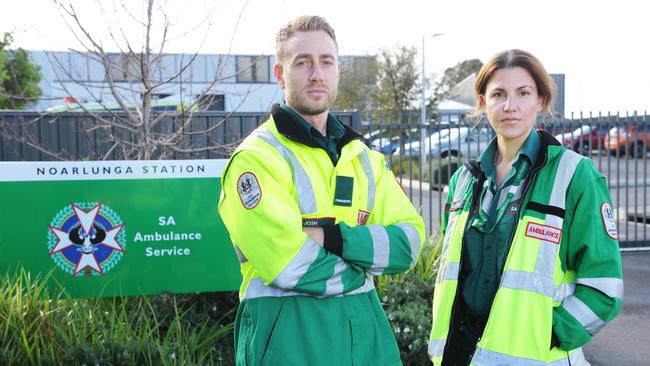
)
(302, 105)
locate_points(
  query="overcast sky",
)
(601, 46)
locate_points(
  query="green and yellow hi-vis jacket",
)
(562, 274)
(302, 304)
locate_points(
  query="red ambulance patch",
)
(362, 217)
(250, 192)
(544, 232)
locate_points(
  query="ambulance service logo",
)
(86, 239)
(249, 190)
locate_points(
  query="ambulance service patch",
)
(608, 220)
(249, 190)
(362, 217)
(544, 232)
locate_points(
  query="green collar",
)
(334, 128)
(529, 150)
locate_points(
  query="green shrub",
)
(37, 329)
(407, 298)
(436, 170)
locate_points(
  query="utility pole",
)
(423, 106)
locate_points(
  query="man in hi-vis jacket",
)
(314, 215)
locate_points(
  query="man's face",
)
(309, 72)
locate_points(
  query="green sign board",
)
(117, 227)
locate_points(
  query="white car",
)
(456, 141)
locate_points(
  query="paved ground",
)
(626, 340)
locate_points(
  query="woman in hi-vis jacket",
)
(530, 268)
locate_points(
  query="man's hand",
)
(316, 233)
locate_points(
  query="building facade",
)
(216, 82)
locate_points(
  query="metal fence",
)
(29, 136)
(422, 156)
(617, 145)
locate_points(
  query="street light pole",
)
(423, 105)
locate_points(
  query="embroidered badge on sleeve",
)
(249, 190)
(608, 220)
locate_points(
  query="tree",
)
(124, 107)
(451, 77)
(358, 81)
(19, 78)
(398, 88)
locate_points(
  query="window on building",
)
(124, 67)
(211, 102)
(253, 69)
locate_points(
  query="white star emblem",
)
(87, 221)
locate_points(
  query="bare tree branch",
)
(128, 123)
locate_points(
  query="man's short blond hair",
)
(305, 23)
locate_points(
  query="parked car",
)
(631, 139)
(456, 141)
(369, 137)
(384, 144)
(584, 138)
(387, 140)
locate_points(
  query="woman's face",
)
(511, 103)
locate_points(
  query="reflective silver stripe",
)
(528, 281)
(365, 163)
(577, 358)
(447, 239)
(413, 237)
(563, 290)
(568, 163)
(436, 348)
(547, 254)
(459, 191)
(612, 287)
(487, 200)
(240, 255)
(589, 320)
(449, 273)
(462, 183)
(298, 266)
(334, 286)
(256, 288)
(486, 357)
(381, 248)
(367, 286)
(546, 257)
(306, 197)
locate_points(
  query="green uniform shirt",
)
(489, 230)
(329, 143)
